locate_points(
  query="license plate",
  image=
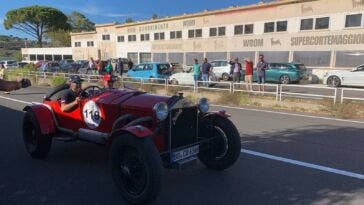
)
(185, 153)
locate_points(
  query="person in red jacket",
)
(248, 74)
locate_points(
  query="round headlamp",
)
(161, 111)
(203, 105)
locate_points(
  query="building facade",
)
(322, 34)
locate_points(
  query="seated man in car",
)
(70, 98)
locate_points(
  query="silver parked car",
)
(221, 69)
(355, 77)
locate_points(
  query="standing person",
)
(2, 68)
(248, 74)
(206, 68)
(109, 67)
(91, 66)
(261, 67)
(196, 70)
(235, 70)
(130, 64)
(100, 67)
(120, 67)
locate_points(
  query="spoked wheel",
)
(224, 147)
(136, 168)
(333, 81)
(284, 79)
(37, 144)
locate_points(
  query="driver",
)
(70, 98)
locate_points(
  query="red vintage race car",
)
(146, 133)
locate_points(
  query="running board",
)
(92, 136)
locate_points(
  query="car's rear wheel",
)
(333, 81)
(224, 147)
(225, 77)
(136, 168)
(37, 144)
(284, 79)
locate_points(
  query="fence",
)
(280, 91)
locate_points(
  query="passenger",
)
(196, 70)
(261, 67)
(248, 74)
(70, 98)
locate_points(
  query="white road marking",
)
(15, 100)
(304, 164)
(291, 114)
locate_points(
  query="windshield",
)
(11, 62)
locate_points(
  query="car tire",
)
(143, 183)
(284, 79)
(333, 81)
(36, 144)
(223, 151)
(174, 81)
(225, 77)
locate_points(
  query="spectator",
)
(119, 67)
(2, 68)
(91, 65)
(100, 67)
(261, 67)
(109, 67)
(130, 64)
(248, 74)
(196, 70)
(235, 70)
(206, 68)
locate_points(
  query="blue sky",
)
(105, 11)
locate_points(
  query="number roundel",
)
(91, 114)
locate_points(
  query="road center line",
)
(291, 114)
(304, 164)
(15, 100)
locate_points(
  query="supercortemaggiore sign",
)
(341, 39)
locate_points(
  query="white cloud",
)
(97, 11)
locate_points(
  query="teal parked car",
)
(150, 70)
(283, 73)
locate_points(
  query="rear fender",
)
(44, 116)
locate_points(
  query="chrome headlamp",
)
(161, 111)
(203, 105)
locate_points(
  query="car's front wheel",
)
(37, 144)
(225, 76)
(224, 145)
(333, 81)
(284, 79)
(136, 168)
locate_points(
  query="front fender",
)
(138, 131)
(44, 117)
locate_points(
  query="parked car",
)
(221, 69)
(150, 70)
(145, 134)
(283, 73)
(355, 77)
(22, 64)
(8, 64)
(50, 66)
(66, 61)
(186, 78)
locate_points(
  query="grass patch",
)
(58, 80)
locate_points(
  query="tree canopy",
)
(79, 22)
(36, 21)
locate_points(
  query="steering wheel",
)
(90, 91)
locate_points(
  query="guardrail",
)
(343, 90)
(278, 90)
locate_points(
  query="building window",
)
(322, 23)
(238, 29)
(131, 38)
(144, 37)
(222, 31)
(121, 39)
(249, 28)
(281, 26)
(32, 57)
(106, 37)
(306, 24)
(353, 20)
(77, 44)
(195, 33)
(90, 44)
(213, 31)
(175, 34)
(269, 27)
(159, 36)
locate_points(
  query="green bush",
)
(58, 80)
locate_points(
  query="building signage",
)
(347, 39)
(189, 23)
(167, 46)
(153, 27)
(253, 42)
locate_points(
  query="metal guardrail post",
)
(342, 96)
(232, 87)
(277, 92)
(141, 83)
(335, 96)
(44, 75)
(280, 93)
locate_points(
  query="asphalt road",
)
(286, 159)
